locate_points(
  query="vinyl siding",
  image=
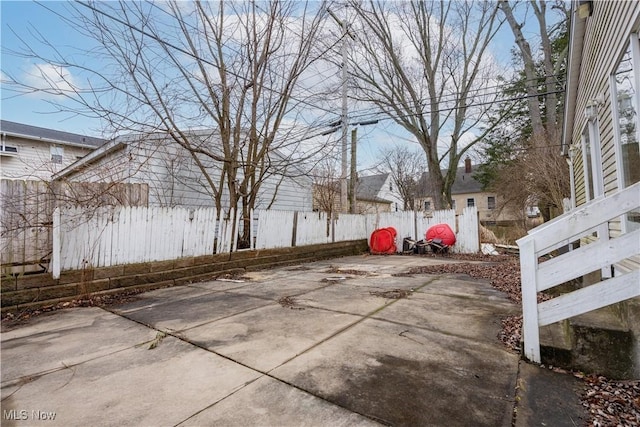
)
(606, 38)
(33, 160)
(174, 179)
(607, 35)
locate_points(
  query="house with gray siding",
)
(174, 179)
(35, 153)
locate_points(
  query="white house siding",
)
(33, 160)
(605, 41)
(391, 193)
(607, 35)
(174, 179)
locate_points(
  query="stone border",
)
(34, 291)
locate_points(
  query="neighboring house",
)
(467, 191)
(374, 193)
(173, 177)
(378, 193)
(35, 153)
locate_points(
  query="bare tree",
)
(326, 186)
(405, 166)
(523, 160)
(232, 68)
(546, 117)
(423, 64)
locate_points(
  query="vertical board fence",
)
(26, 217)
(92, 238)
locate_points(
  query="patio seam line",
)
(168, 301)
(345, 328)
(174, 331)
(37, 375)
(240, 387)
(267, 374)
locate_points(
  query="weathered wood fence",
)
(96, 238)
(27, 209)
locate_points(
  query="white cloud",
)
(50, 79)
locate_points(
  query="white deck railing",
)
(601, 253)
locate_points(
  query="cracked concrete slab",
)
(333, 354)
(73, 336)
(137, 386)
(409, 377)
(268, 336)
(268, 402)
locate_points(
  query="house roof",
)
(368, 187)
(49, 135)
(123, 141)
(463, 184)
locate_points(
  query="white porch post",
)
(530, 328)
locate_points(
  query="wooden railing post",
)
(530, 328)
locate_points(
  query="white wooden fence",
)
(601, 253)
(106, 237)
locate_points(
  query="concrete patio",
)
(338, 351)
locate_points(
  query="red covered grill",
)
(440, 237)
(383, 241)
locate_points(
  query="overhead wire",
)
(191, 54)
(379, 115)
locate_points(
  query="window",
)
(57, 153)
(453, 203)
(625, 82)
(471, 202)
(427, 205)
(7, 150)
(491, 202)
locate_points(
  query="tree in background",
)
(233, 68)
(523, 163)
(405, 166)
(424, 65)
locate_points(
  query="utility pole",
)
(344, 115)
(354, 173)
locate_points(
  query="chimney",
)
(467, 165)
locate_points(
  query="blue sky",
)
(24, 17)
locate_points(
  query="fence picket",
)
(103, 237)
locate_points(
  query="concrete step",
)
(595, 342)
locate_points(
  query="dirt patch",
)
(11, 319)
(392, 294)
(336, 270)
(301, 268)
(290, 302)
(234, 275)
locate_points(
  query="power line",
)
(186, 52)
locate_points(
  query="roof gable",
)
(49, 135)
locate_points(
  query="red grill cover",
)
(383, 241)
(442, 232)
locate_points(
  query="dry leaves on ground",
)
(609, 402)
